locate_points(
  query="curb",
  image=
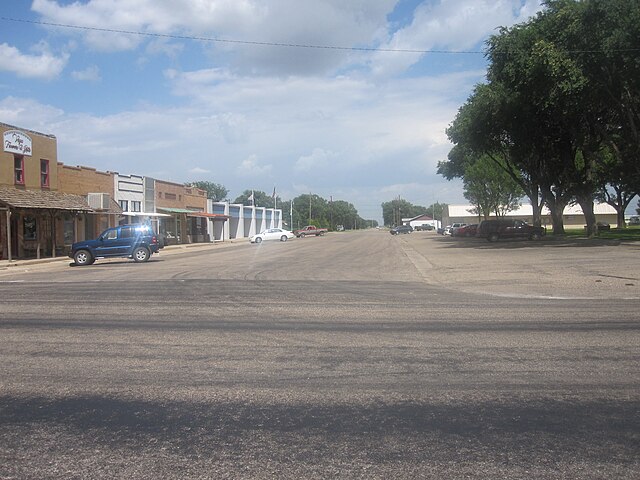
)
(170, 249)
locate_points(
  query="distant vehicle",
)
(340, 228)
(310, 230)
(449, 228)
(424, 227)
(271, 234)
(603, 226)
(634, 220)
(129, 241)
(401, 229)
(440, 230)
(466, 231)
(494, 230)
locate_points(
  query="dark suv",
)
(130, 241)
(401, 229)
(494, 230)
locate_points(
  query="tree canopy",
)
(215, 191)
(560, 111)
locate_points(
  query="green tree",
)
(573, 72)
(490, 189)
(215, 191)
(491, 125)
(394, 211)
(260, 199)
(616, 184)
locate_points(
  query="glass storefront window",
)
(30, 229)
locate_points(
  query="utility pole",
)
(331, 212)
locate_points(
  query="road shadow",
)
(527, 431)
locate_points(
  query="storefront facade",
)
(37, 219)
(187, 220)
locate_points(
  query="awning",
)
(176, 210)
(208, 215)
(145, 214)
(43, 200)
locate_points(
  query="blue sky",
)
(365, 126)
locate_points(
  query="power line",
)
(241, 42)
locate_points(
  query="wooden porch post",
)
(9, 246)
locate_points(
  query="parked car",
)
(634, 220)
(466, 231)
(440, 230)
(401, 229)
(450, 228)
(603, 226)
(494, 230)
(272, 234)
(129, 241)
(310, 230)
(425, 227)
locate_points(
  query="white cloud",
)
(89, 74)
(198, 170)
(250, 167)
(455, 25)
(27, 112)
(43, 65)
(318, 159)
(232, 22)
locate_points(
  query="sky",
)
(346, 99)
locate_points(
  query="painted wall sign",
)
(17, 142)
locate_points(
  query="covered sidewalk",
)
(38, 222)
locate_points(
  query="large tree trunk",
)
(556, 205)
(536, 207)
(589, 215)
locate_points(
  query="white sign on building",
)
(17, 142)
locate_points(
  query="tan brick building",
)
(188, 220)
(34, 209)
(98, 188)
(45, 205)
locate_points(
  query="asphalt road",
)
(355, 355)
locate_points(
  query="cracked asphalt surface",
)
(355, 355)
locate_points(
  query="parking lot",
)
(547, 268)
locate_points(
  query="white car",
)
(448, 230)
(272, 234)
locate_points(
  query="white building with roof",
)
(573, 215)
(421, 220)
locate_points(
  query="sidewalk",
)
(169, 249)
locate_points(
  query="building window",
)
(18, 163)
(69, 232)
(44, 173)
(29, 228)
(136, 206)
(124, 205)
(170, 196)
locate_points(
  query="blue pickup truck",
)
(130, 241)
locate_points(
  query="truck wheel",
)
(302, 235)
(535, 236)
(283, 238)
(493, 237)
(258, 239)
(141, 254)
(83, 257)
